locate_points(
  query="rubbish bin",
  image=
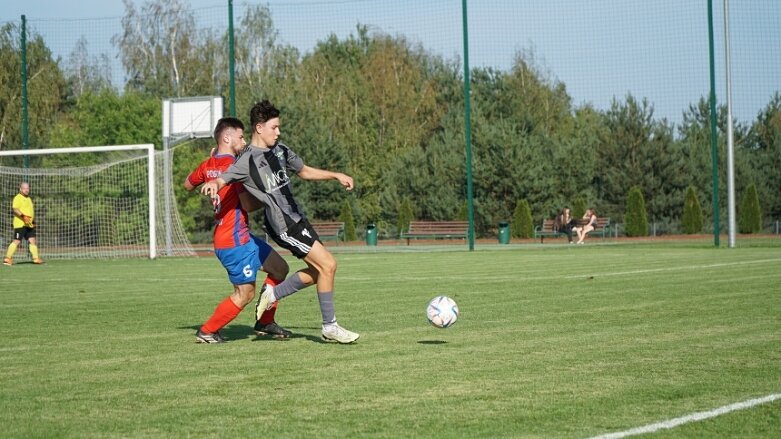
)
(371, 234)
(504, 233)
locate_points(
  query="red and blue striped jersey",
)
(231, 225)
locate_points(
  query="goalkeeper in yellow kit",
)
(24, 225)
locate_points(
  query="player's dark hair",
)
(225, 123)
(261, 112)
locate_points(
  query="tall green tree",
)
(265, 67)
(691, 222)
(695, 138)
(87, 74)
(578, 207)
(764, 151)
(434, 177)
(636, 218)
(540, 103)
(321, 200)
(750, 214)
(639, 150)
(164, 53)
(376, 96)
(45, 89)
(463, 212)
(695, 148)
(107, 117)
(405, 216)
(521, 121)
(346, 216)
(506, 166)
(522, 225)
(574, 161)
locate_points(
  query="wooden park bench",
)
(602, 229)
(330, 230)
(546, 229)
(435, 229)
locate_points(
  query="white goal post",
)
(93, 241)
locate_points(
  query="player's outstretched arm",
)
(310, 173)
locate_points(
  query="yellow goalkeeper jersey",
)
(25, 205)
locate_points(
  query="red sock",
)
(223, 314)
(271, 281)
(268, 315)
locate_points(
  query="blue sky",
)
(600, 49)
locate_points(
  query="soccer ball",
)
(442, 312)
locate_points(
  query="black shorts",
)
(299, 238)
(24, 233)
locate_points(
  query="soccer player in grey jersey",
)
(263, 168)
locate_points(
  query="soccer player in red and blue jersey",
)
(241, 253)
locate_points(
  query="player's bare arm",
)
(187, 185)
(249, 203)
(28, 220)
(310, 173)
(22, 216)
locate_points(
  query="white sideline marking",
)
(690, 418)
(663, 269)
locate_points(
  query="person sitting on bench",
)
(587, 223)
(563, 223)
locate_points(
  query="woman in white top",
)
(589, 222)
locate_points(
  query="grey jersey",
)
(264, 173)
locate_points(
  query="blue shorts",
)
(242, 263)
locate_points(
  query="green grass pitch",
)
(553, 341)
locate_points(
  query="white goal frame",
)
(86, 149)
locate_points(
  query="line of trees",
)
(391, 114)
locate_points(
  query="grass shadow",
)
(230, 333)
(242, 332)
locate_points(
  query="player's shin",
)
(11, 250)
(223, 314)
(34, 251)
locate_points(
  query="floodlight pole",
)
(713, 132)
(468, 132)
(730, 137)
(231, 60)
(25, 102)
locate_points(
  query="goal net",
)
(93, 202)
